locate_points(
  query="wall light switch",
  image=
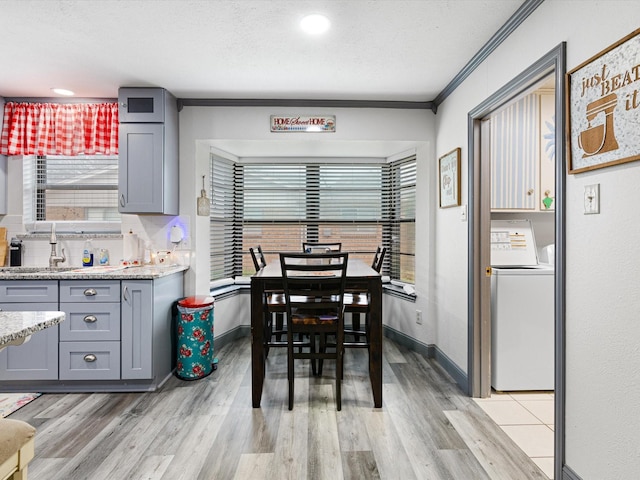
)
(463, 213)
(592, 199)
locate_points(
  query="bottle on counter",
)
(87, 254)
(103, 258)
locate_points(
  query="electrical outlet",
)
(419, 317)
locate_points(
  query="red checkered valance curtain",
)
(59, 129)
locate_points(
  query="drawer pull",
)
(90, 319)
(90, 357)
(90, 292)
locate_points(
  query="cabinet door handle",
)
(125, 293)
(530, 192)
(90, 357)
(122, 199)
(90, 319)
(90, 292)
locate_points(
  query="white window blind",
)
(79, 193)
(403, 220)
(280, 206)
(222, 222)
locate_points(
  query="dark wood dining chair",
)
(312, 247)
(274, 307)
(314, 287)
(357, 303)
(257, 256)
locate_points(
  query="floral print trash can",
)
(195, 338)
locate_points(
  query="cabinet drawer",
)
(12, 291)
(89, 360)
(98, 321)
(89, 291)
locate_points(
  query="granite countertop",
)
(115, 272)
(16, 327)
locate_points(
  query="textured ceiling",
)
(397, 50)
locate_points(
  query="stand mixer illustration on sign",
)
(600, 138)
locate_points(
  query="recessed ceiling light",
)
(315, 24)
(62, 91)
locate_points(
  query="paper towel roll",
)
(130, 248)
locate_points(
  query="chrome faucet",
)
(54, 259)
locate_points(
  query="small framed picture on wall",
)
(449, 174)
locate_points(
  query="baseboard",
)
(568, 474)
(429, 351)
(231, 335)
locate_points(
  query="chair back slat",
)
(314, 247)
(256, 265)
(261, 259)
(378, 259)
(257, 256)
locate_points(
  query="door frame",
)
(479, 224)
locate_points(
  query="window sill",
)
(221, 290)
(398, 291)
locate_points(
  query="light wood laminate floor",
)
(207, 429)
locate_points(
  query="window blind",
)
(402, 178)
(71, 189)
(280, 206)
(223, 232)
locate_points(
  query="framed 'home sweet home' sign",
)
(603, 105)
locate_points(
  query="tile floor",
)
(527, 417)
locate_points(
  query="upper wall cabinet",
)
(141, 105)
(522, 155)
(148, 146)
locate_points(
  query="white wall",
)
(602, 355)
(359, 132)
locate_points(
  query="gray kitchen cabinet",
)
(137, 326)
(147, 322)
(36, 359)
(148, 157)
(116, 336)
(90, 334)
(142, 105)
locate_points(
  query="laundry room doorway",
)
(551, 68)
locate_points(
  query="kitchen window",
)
(279, 206)
(78, 193)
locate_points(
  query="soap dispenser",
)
(87, 254)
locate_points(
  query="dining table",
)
(360, 277)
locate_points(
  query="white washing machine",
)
(522, 311)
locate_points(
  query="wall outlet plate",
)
(592, 199)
